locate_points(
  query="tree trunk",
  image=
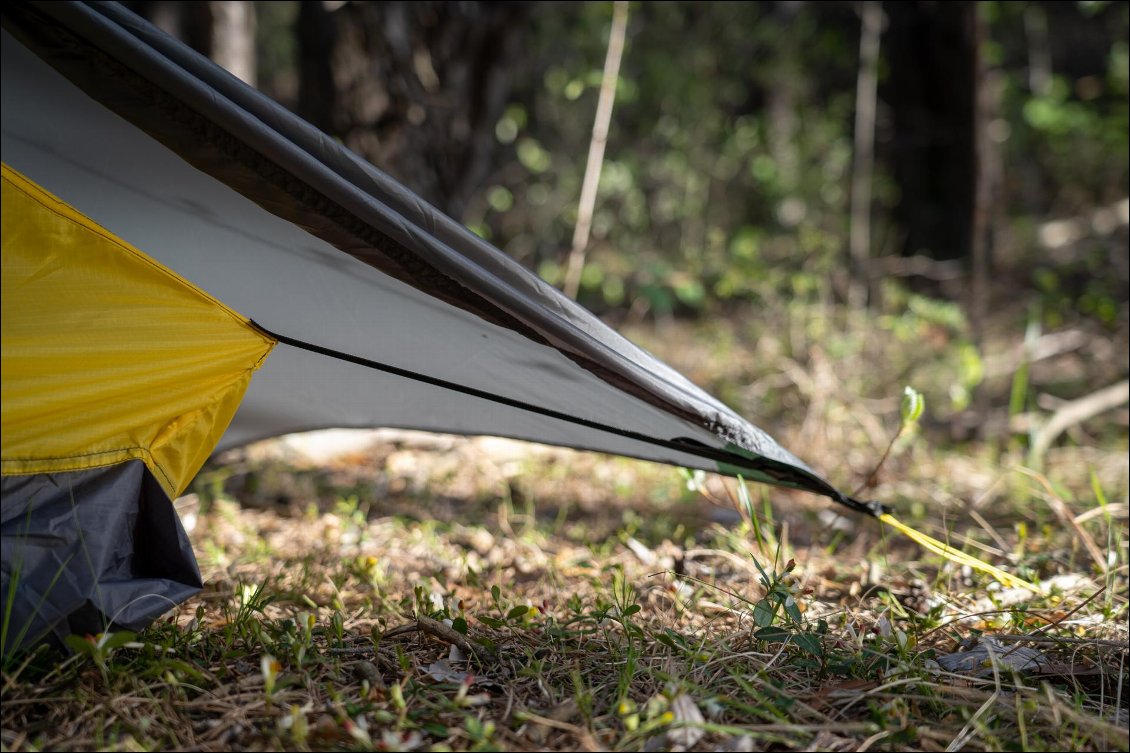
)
(224, 31)
(415, 87)
(986, 194)
(190, 22)
(783, 95)
(931, 92)
(871, 23)
(233, 37)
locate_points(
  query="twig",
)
(351, 650)
(988, 613)
(1074, 413)
(1059, 620)
(423, 625)
(916, 266)
(989, 530)
(1046, 346)
(1011, 638)
(1059, 507)
(585, 738)
(445, 634)
(872, 477)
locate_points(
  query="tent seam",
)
(147, 458)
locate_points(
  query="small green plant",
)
(271, 668)
(337, 628)
(99, 648)
(480, 732)
(911, 407)
(515, 617)
(777, 616)
(304, 641)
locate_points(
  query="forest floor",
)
(424, 592)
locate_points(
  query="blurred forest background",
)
(951, 174)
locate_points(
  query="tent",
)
(187, 266)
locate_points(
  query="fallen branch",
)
(1073, 414)
(1015, 638)
(916, 266)
(1046, 346)
(426, 625)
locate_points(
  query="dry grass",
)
(468, 594)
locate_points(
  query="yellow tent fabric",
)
(106, 354)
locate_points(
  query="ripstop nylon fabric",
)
(108, 355)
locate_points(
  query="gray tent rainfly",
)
(376, 310)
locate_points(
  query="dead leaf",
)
(742, 744)
(980, 658)
(687, 725)
(442, 671)
(828, 741)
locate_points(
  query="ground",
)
(422, 592)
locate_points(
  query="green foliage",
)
(727, 168)
(99, 648)
(1078, 128)
(705, 195)
(779, 602)
(911, 407)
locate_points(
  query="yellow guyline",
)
(911, 410)
(956, 555)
